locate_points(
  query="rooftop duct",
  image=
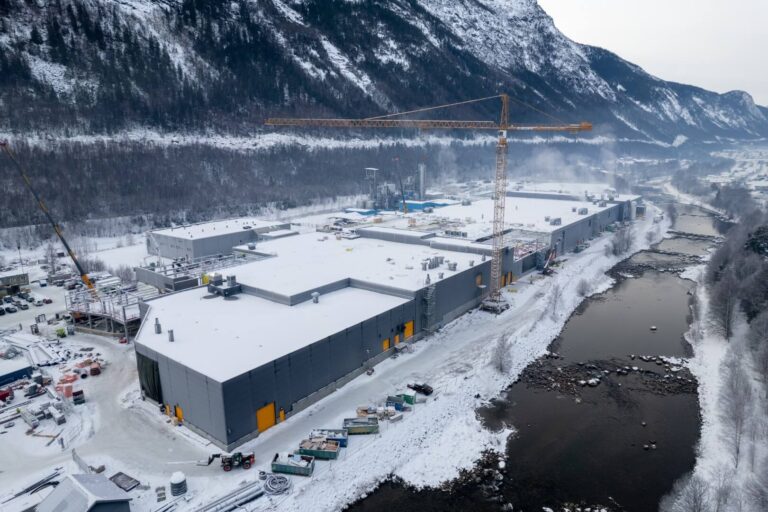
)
(170, 335)
(315, 297)
(158, 329)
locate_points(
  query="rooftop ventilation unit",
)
(316, 297)
(170, 335)
(557, 221)
(158, 329)
(583, 211)
(452, 266)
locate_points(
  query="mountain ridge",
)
(100, 67)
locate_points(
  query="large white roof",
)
(522, 213)
(223, 338)
(310, 260)
(219, 227)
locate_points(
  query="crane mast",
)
(494, 301)
(56, 228)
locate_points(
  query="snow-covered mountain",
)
(105, 66)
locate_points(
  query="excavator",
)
(56, 228)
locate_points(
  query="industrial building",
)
(205, 239)
(11, 283)
(306, 313)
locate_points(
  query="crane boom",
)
(426, 124)
(494, 302)
(83, 274)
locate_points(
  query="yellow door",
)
(265, 417)
(408, 329)
(179, 414)
(385, 345)
(503, 280)
(479, 279)
(397, 339)
(167, 410)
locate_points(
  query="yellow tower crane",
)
(56, 228)
(494, 301)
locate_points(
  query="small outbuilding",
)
(86, 493)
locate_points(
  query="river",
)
(619, 445)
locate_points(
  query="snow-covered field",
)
(430, 445)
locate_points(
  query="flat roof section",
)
(307, 261)
(523, 213)
(222, 339)
(219, 227)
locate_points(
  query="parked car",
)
(43, 283)
(10, 309)
(39, 303)
(31, 299)
(47, 301)
(7, 299)
(2, 311)
(24, 306)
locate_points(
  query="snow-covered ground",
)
(715, 461)
(430, 445)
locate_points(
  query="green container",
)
(409, 399)
(284, 466)
(323, 450)
(361, 426)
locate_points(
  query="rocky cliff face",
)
(106, 66)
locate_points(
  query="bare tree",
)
(124, 272)
(757, 489)
(689, 494)
(583, 288)
(736, 404)
(672, 212)
(500, 356)
(758, 343)
(555, 300)
(722, 489)
(50, 257)
(621, 242)
(724, 300)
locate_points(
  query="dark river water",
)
(621, 444)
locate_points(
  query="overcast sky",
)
(720, 45)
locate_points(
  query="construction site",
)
(239, 325)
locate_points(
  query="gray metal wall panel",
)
(320, 357)
(370, 339)
(301, 374)
(282, 389)
(344, 357)
(239, 411)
